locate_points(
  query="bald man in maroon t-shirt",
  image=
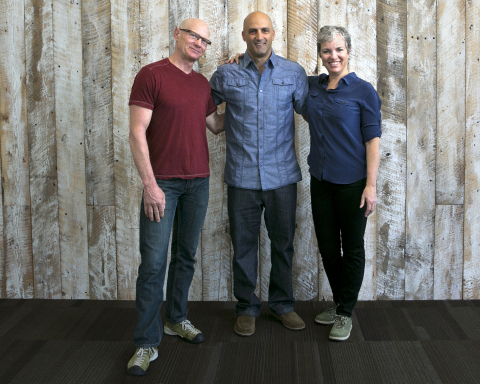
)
(170, 108)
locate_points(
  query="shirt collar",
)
(272, 59)
(347, 79)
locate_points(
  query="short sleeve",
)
(216, 83)
(371, 120)
(211, 107)
(144, 89)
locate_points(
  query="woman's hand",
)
(234, 59)
(369, 197)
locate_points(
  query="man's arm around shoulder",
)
(153, 196)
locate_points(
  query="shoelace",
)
(340, 321)
(187, 326)
(141, 354)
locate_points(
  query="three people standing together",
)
(170, 108)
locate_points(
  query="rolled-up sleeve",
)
(371, 118)
(216, 83)
(301, 92)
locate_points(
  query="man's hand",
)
(369, 196)
(153, 202)
(234, 59)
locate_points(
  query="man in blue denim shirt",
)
(261, 169)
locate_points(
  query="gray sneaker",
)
(138, 364)
(185, 330)
(341, 328)
(327, 316)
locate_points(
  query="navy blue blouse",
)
(341, 121)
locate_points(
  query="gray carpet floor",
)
(82, 341)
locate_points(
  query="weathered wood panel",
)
(97, 102)
(421, 141)
(216, 244)
(40, 88)
(448, 264)
(128, 188)
(277, 10)
(45, 238)
(471, 268)
(361, 24)
(450, 175)
(237, 10)
(98, 123)
(70, 149)
(18, 252)
(101, 253)
(154, 31)
(391, 28)
(14, 141)
(302, 48)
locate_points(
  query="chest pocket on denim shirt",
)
(235, 89)
(344, 108)
(283, 88)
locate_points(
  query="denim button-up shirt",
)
(259, 121)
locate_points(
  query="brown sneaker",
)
(292, 321)
(245, 325)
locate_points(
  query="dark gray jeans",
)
(245, 208)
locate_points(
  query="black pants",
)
(340, 225)
(245, 208)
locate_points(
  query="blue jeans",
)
(185, 208)
(245, 208)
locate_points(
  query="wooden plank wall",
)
(71, 194)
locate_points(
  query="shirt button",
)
(261, 165)
(261, 109)
(260, 91)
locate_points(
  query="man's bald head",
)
(196, 25)
(257, 17)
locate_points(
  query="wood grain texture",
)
(40, 92)
(237, 10)
(14, 139)
(18, 253)
(277, 10)
(216, 245)
(70, 149)
(128, 187)
(421, 142)
(391, 183)
(302, 48)
(450, 171)
(154, 31)
(471, 268)
(45, 238)
(448, 264)
(97, 102)
(102, 261)
(362, 26)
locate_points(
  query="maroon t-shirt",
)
(176, 136)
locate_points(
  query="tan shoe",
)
(245, 325)
(292, 321)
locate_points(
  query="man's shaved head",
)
(256, 16)
(197, 26)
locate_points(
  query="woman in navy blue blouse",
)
(343, 112)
